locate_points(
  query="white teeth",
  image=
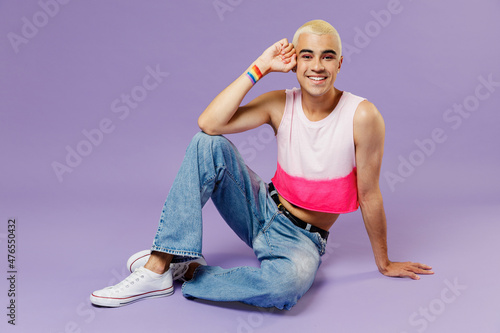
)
(317, 78)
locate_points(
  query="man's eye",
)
(306, 56)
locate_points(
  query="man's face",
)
(318, 62)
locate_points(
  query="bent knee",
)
(284, 295)
(204, 140)
(288, 288)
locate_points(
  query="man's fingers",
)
(283, 44)
(288, 48)
(289, 53)
(421, 271)
(292, 63)
(409, 269)
(422, 268)
(417, 268)
(424, 271)
(403, 273)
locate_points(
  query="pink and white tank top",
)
(316, 159)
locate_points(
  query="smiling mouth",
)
(317, 78)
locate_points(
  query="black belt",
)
(295, 220)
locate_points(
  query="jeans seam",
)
(270, 245)
(232, 270)
(233, 178)
(210, 178)
(264, 233)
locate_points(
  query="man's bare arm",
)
(369, 132)
(224, 114)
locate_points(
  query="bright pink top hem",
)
(337, 196)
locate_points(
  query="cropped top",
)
(316, 159)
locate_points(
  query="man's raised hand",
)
(279, 57)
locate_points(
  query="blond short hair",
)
(317, 27)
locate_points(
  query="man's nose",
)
(317, 65)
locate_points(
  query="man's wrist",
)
(254, 74)
(262, 67)
(383, 264)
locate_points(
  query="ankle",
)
(159, 262)
(190, 272)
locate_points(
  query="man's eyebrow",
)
(330, 51)
(311, 51)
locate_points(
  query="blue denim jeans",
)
(289, 256)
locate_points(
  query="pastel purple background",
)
(75, 235)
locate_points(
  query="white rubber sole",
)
(114, 302)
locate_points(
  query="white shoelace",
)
(179, 270)
(133, 278)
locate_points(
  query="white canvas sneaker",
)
(140, 258)
(141, 284)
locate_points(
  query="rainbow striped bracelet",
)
(254, 74)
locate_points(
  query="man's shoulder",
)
(366, 111)
(367, 120)
(363, 109)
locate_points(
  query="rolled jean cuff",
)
(179, 255)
